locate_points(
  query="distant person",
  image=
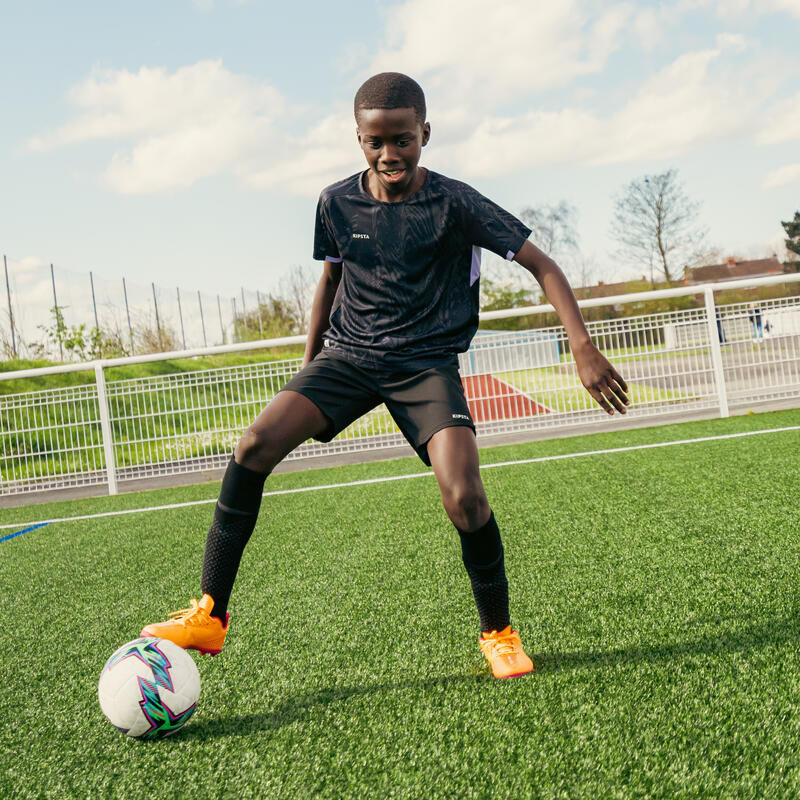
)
(754, 314)
(396, 304)
(719, 326)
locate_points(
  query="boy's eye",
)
(402, 142)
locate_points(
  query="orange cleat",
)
(503, 651)
(193, 628)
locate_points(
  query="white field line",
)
(366, 481)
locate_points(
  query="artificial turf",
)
(655, 589)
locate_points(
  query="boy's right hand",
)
(600, 379)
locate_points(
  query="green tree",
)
(792, 228)
(78, 343)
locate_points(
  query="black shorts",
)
(421, 403)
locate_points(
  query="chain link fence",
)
(52, 312)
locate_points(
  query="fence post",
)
(128, 312)
(94, 302)
(55, 305)
(716, 351)
(180, 316)
(10, 312)
(158, 324)
(202, 320)
(105, 427)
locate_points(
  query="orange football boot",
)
(193, 628)
(503, 651)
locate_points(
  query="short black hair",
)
(391, 90)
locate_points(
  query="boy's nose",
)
(388, 155)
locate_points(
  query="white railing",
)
(707, 358)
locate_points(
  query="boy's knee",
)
(258, 450)
(466, 504)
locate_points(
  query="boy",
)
(397, 302)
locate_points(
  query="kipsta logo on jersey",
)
(361, 236)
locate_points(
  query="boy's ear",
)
(426, 133)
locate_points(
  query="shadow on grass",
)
(299, 707)
(783, 630)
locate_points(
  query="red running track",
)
(490, 399)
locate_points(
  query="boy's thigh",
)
(425, 403)
(342, 391)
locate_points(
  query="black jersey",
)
(409, 294)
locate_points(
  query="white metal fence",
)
(706, 358)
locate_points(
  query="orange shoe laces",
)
(502, 645)
(191, 616)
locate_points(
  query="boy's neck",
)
(380, 192)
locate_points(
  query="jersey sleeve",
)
(325, 247)
(492, 227)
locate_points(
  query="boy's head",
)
(391, 90)
(391, 129)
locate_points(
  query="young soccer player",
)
(396, 304)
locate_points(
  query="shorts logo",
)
(361, 236)
(460, 416)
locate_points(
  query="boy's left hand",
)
(601, 380)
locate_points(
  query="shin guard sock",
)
(482, 553)
(235, 518)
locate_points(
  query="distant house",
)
(733, 270)
(712, 273)
(603, 289)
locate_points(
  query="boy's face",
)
(392, 140)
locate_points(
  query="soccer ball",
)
(149, 688)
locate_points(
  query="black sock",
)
(482, 553)
(234, 520)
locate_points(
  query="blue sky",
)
(186, 142)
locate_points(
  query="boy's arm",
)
(321, 308)
(597, 375)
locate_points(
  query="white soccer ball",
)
(149, 688)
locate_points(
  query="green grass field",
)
(656, 589)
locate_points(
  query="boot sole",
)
(205, 651)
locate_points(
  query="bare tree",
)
(655, 223)
(297, 290)
(554, 230)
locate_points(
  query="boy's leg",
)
(453, 453)
(454, 458)
(288, 421)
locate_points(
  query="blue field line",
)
(24, 530)
(410, 476)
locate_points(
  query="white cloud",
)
(174, 128)
(118, 103)
(782, 122)
(726, 8)
(781, 177)
(466, 51)
(328, 152)
(198, 121)
(689, 103)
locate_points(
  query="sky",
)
(186, 141)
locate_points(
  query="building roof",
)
(733, 269)
(610, 289)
